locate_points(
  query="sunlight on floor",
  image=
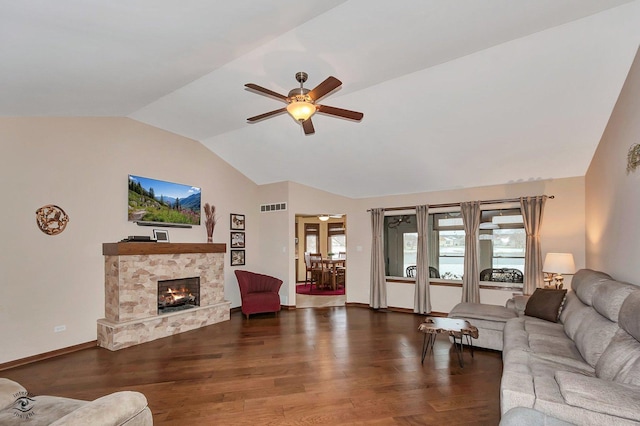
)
(310, 301)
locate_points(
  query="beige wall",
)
(612, 195)
(304, 200)
(81, 165)
(562, 231)
(275, 236)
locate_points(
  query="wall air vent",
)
(274, 207)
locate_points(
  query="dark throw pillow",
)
(545, 304)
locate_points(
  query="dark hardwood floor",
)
(307, 366)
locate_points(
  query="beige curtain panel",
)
(532, 209)
(422, 298)
(378, 298)
(471, 279)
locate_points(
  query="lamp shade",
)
(559, 263)
(301, 110)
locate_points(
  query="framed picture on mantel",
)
(161, 236)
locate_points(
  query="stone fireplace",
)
(136, 275)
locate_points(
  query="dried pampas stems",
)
(210, 222)
(633, 158)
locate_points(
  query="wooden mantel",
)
(131, 249)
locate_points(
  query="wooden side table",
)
(456, 328)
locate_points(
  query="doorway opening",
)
(320, 260)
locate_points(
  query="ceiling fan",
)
(302, 102)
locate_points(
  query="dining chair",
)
(341, 270)
(308, 277)
(319, 270)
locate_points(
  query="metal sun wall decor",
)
(51, 219)
(633, 158)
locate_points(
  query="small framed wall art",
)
(237, 222)
(237, 257)
(161, 235)
(237, 239)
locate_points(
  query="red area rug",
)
(306, 289)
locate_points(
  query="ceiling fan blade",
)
(267, 92)
(307, 125)
(344, 113)
(329, 85)
(267, 115)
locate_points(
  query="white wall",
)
(81, 165)
(612, 195)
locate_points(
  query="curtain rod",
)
(436, 206)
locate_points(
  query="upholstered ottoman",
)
(489, 319)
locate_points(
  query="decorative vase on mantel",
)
(210, 220)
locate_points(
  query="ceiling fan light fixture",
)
(323, 218)
(301, 102)
(301, 110)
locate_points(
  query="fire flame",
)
(173, 297)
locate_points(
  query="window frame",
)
(435, 255)
(335, 229)
(311, 229)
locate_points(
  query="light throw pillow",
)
(545, 304)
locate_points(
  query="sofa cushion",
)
(555, 346)
(628, 317)
(620, 362)
(521, 416)
(571, 304)
(9, 391)
(594, 335)
(535, 326)
(44, 411)
(482, 311)
(601, 396)
(118, 408)
(572, 322)
(545, 304)
(585, 282)
(609, 296)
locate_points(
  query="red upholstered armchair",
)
(259, 293)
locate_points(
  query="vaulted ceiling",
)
(455, 94)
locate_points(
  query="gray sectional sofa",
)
(584, 369)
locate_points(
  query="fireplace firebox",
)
(178, 295)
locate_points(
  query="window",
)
(504, 238)
(502, 242)
(337, 238)
(401, 242)
(447, 245)
(311, 235)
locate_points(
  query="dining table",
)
(333, 264)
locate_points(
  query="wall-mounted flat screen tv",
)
(159, 202)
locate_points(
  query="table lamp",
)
(556, 264)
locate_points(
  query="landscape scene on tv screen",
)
(152, 200)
